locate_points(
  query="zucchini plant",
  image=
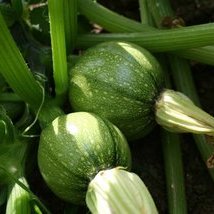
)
(124, 83)
(73, 148)
(81, 154)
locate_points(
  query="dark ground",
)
(147, 153)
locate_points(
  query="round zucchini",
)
(74, 148)
(124, 83)
(119, 81)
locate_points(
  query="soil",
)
(147, 153)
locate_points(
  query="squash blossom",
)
(119, 191)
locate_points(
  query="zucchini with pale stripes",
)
(124, 83)
(74, 148)
(85, 158)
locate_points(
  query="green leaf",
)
(15, 70)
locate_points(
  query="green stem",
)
(163, 9)
(173, 164)
(146, 19)
(184, 75)
(48, 113)
(113, 22)
(174, 173)
(15, 70)
(203, 55)
(57, 31)
(158, 40)
(160, 9)
(70, 20)
(108, 19)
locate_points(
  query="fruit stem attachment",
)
(177, 113)
(119, 191)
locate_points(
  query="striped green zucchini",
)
(74, 148)
(119, 81)
(124, 83)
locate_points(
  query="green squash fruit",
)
(74, 148)
(119, 81)
(124, 83)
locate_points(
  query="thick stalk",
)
(159, 10)
(174, 173)
(145, 17)
(158, 40)
(70, 20)
(99, 14)
(162, 8)
(48, 113)
(57, 32)
(202, 55)
(108, 19)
